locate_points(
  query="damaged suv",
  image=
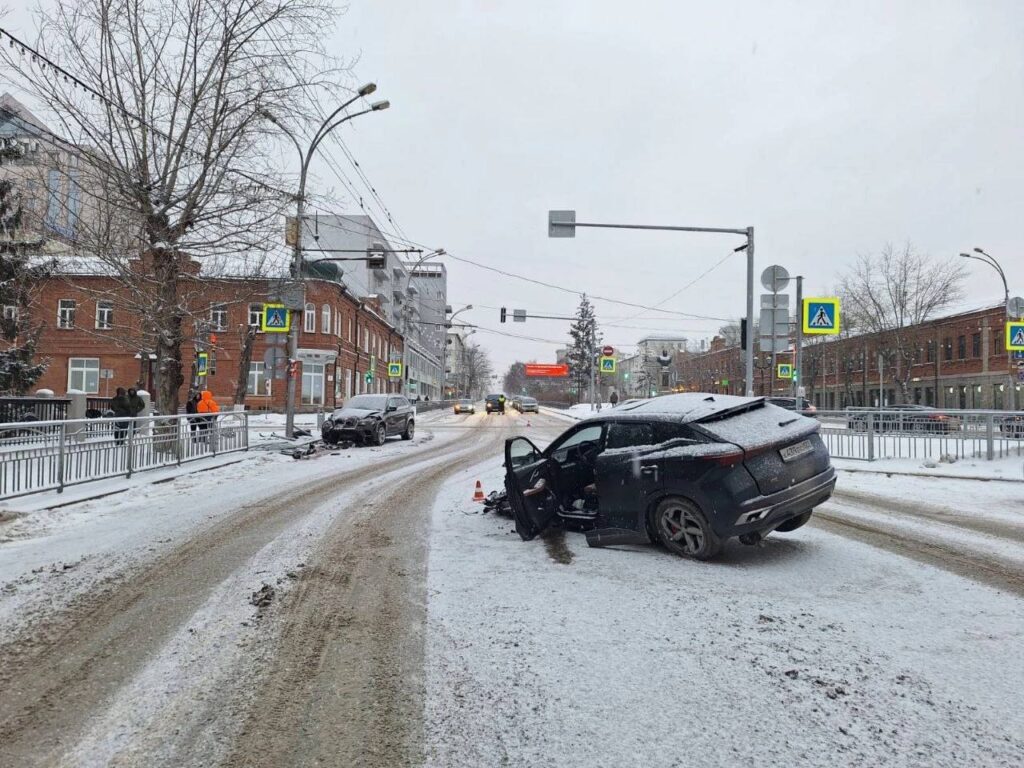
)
(689, 471)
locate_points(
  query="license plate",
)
(796, 450)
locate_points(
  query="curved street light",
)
(331, 122)
(986, 258)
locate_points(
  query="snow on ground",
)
(47, 556)
(811, 649)
(1007, 468)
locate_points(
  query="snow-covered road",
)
(358, 609)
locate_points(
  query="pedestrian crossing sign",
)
(394, 370)
(607, 364)
(785, 371)
(821, 316)
(202, 363)
(1015, 336)
(276, 319)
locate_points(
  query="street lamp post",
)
(986, 258)
(406, 316)
(563, 224)
(305, 156)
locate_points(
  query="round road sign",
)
(775, 278)
(607, 351)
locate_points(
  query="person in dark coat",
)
(614, 399)
(122, 409)
(192, 408)
(138, 405)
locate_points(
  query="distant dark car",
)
(1012, 425)
(902, 418)
(527, 405)
(495, 404)
(801, 404)
(689, 471)
(371, 419)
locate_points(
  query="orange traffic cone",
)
(478, 494)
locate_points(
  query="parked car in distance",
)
(370, 419)
(514, 403)
(495, 404)
(801, 404)
(465, 405)
(527, 405)
(689, 471)
(1012, 425)
(906, 417)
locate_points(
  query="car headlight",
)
(367, 420)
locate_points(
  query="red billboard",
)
(556, 370)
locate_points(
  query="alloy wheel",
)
(682, 525)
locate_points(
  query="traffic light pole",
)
(799, 338)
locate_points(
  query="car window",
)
(592, 433)
(625, 434)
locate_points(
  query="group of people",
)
(201, 409)
(126, 404)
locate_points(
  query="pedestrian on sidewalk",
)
(192, 408)
(207, 406)
(614, 399)
(122, 409)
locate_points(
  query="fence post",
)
(76, 414)
(871, 436)
(214, 435)
(245, 430)
(180, 436)
(60, 456)
(131, 447)
(990, 435)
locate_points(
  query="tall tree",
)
(20, 279)
(478, 369)
(585, 337)
(890, 294)
(165, 105)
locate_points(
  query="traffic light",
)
(743, 333)
(504, 313)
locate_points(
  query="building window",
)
(259, 384)
(312, 383)
(74, 203)
(84, 374)
(947, 348)
(219, 317)
(256, 315)
(11, 313)
(309, 319)
(53, 198)
(66, 313)
(976, 345)
(325, 319)
(104, 315)
(350, 337)
(961, 347)
(930, 352)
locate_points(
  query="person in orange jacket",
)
(207, 405)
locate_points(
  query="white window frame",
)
(309, 374)
(256, 316)
(309, 318)
(325, 319)
(65, 313)
(81, 367)
(219, 317)
(104, 315)
(11, 312)
(257, 384)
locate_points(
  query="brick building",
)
(958, 361)
(93, 340)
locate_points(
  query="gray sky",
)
(831, 127)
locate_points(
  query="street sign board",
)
(292, 295)
(518, 315)
(275, 363)
(775, 278)
(561, 217)
(202, 364)
(785, 371)
(394, 370)
(1015, 307)
(607, 364)
(548, 370)
(276, 319)
(607, 350)
(1015, 336)
(775, 300)
(773, 344)
(774, 322)
(821, 316)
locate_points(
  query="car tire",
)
(795, 522)
(380, 434)
(410, 430)
(684, 529)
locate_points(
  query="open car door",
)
(529, 482)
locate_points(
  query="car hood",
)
(358, 413)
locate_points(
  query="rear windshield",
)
(769, 424)
(529, 400)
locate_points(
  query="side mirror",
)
(391, 408)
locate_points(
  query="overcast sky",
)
(831, 127)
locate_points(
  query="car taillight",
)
(724, 459)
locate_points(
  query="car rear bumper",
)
(762, 514)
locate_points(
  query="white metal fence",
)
(51, 455)
(871, 434)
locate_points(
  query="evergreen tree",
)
(585, 337)
(18, 280)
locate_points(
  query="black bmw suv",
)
(371, 419)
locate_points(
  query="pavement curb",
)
(932, 477)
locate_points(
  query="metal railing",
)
(873, 433)
(51, 455)
(15, 409)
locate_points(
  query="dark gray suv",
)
(371, 419)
